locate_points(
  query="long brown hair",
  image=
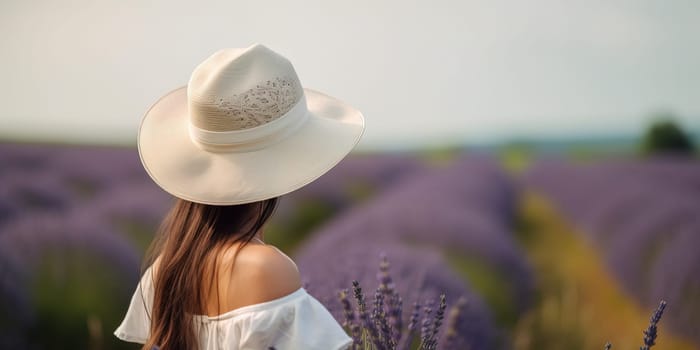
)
(188, 243)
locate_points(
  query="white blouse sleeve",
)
(295, 321)
(135, 327)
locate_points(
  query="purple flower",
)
(413, 321)
(417, 274)
(350, 320)
(650, 332)
(453, 321)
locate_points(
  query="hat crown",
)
(238, 89)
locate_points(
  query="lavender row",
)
(465, 209)
(73, 224)
(353, 180)
(39, 178)
(644, 218)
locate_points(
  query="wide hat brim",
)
(185, 170)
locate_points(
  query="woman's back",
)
(261, 305)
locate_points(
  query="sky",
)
(422, 73)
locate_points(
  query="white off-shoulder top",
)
(295, 321)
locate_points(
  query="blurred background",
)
(536, 157)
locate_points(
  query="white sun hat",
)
(244, 130)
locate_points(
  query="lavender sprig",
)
(431, 343)
(650, 333)
(379, 320)
(453, 321)
(392, 300)
(350, 320)
(426, 325)
(365, 317)
(413, 322)
(395, 312)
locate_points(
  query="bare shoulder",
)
(261, 273)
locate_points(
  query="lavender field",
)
(75, 222)
(644, 217)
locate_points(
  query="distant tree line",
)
(666, 136)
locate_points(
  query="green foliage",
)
(554, 324)
(666, 136)
(440, 155)
(78, 300)
(289, 234)
(359, 191)
(489, 283)
(516, 157)
(140, 234)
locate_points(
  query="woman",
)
(241, 133)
